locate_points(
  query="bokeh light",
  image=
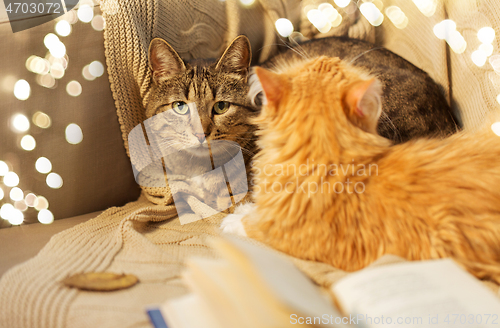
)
(496, 128)
(98, 23)
(50, 40)
(41, 203)
(22, 90)
(20, 205)
(11, 179)
(28, 142)
(426, 7)
(342, 3)
(43, 165)
(16, 217)
(478, 58)
(74, 88)
(371, 13)
(63, 28)
(46, 81)
(16, 194)
(5, 210)
(486, 49)
(86, 73)
(486, 35)
(283, 26)
(247, 2)
(85, 13)
(20, 123)
(56, 70)
(4, 168)
(45, 217)
(74, 134)
(31, 200)
(97, 69)
(397, 16)
(54, 180)
(42, 120)
(319, 20)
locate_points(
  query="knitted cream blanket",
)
(145, 238)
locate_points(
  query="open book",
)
(253, 287)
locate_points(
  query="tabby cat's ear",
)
(272, 85)
(237, 57)
(364, 104)
(164, 60)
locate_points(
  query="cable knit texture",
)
(145, 237)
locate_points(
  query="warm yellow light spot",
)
(98, 23)
(371, 13)
(54, 181)
(283, 26)
(11, 179)
(63, 28)
(478, 58)
(74, 88)
(486, 35)
(496, 128)
(28, 143)
(56, 70)
(426, 7)
(397, 16)
(16, 217)
(31, 200)
(46, 81)
(97, 69)
(247, 2)
(20, 123)
(85, 13)
(74, 134)
(4, 168)
(342, 3)
(22, 90)
(486, 49)
(16, 194)
(43, 165)
(45, 217)
(5, 210)
(86, 73)
(20, 205)
(51, 40)
(41, 203)
(42, 120)
(319, 20)
(58, 50)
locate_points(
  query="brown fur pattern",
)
(428, 198)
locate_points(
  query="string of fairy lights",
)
(49, 71)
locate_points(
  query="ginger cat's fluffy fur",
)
(427, 199)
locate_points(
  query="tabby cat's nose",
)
(200, 136)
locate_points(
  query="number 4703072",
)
(34, 8)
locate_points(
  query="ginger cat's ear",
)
(164, 60)
(364, 105)
(272, 85)
(237, 57)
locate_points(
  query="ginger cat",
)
(329, 189)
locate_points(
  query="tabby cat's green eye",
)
(221, 107)
(180, 107)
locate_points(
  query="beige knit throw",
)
(144, 238)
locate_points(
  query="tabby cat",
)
(413, 104)
(330, 189)
(200, 107)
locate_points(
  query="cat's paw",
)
(232, 224)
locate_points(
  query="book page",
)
(434, 293)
